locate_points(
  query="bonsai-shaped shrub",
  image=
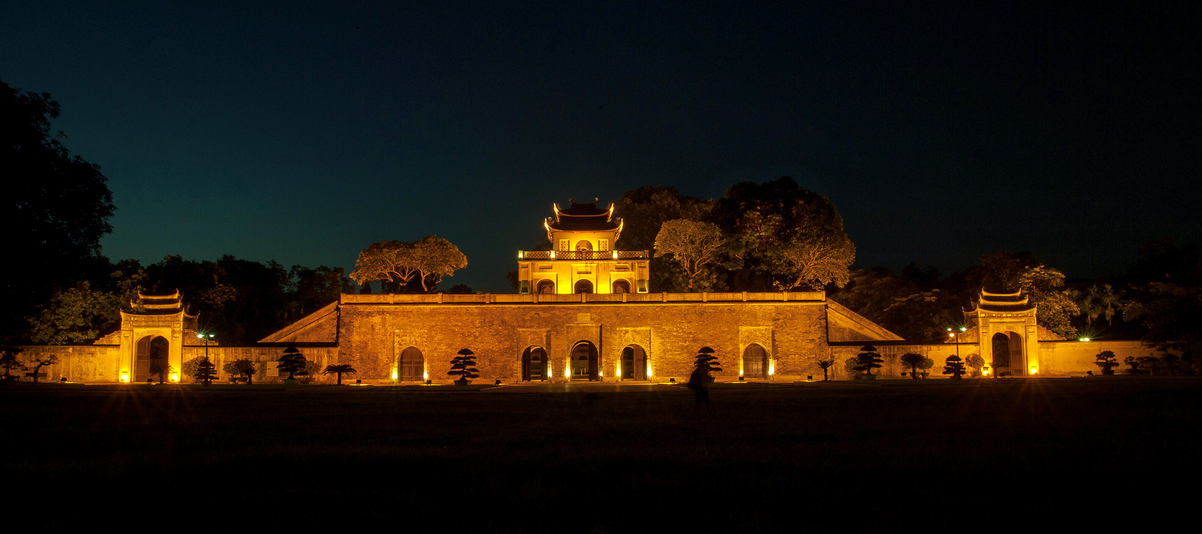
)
(912, 359)
(924, 367)
(954, 367)
(975, 362)
(292, 362)
(340, 369)
(1107, 361)
(241, 367)
(205, 371)
(464, 366)
(825, 364)
(868, 360)
(706, 361)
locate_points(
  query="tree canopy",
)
(397, 263)
(694, 245)
(55, 207)
(786, 235)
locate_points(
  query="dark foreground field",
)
(893, 455)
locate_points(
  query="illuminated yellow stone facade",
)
(582, 258)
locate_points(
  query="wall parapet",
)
(582, 298)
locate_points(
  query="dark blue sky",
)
(302, 132)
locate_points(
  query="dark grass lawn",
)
(604, 458)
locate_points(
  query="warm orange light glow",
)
(520, 253)
(1034, 370)
(615, 254)
(124, 378)
(618, 370)
(648, 370)
(394, 376)
(771, 367)
(552, 254)
(174, 377)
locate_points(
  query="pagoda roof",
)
(159, 304)
(584, 217)
(1002, 302)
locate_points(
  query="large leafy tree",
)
(77, 315)
(695, 245)
(436, 258)
(643, 212)
(786, 235)
(54, 210)
(396, 264)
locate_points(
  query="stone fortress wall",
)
(372, 332)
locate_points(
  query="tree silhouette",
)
(57, 208)
(825, 365)
(241, 367)
(954, 367)
(1107, 361)
(868, 360)
(339, 370)
(292, 362)
(912, 359)
(706, 360)
(205, 371)
(464, 366)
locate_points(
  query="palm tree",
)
(1101, 300)
(339, 370)
(825, 364)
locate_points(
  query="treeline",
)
(759, 237)
(240, 301)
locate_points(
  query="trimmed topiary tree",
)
(1107, 361)
(953, 366)
(868, 360)
(205, 371)
(706, 360)
(292, 362)
(464, 366)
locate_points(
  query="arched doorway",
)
(151, 356)
(1008, 357)
(534, 364)
(584, 361)
(634, 363)
(755, 362)
(584, 244)
(621, 286)
(412, 365)
(584, 286)
(545, 287)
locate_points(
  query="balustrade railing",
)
(579, 255)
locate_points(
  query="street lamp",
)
(206, 337)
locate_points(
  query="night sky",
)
(302, 132)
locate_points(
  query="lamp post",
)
(206, 337)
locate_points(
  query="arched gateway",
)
(1007, 333)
